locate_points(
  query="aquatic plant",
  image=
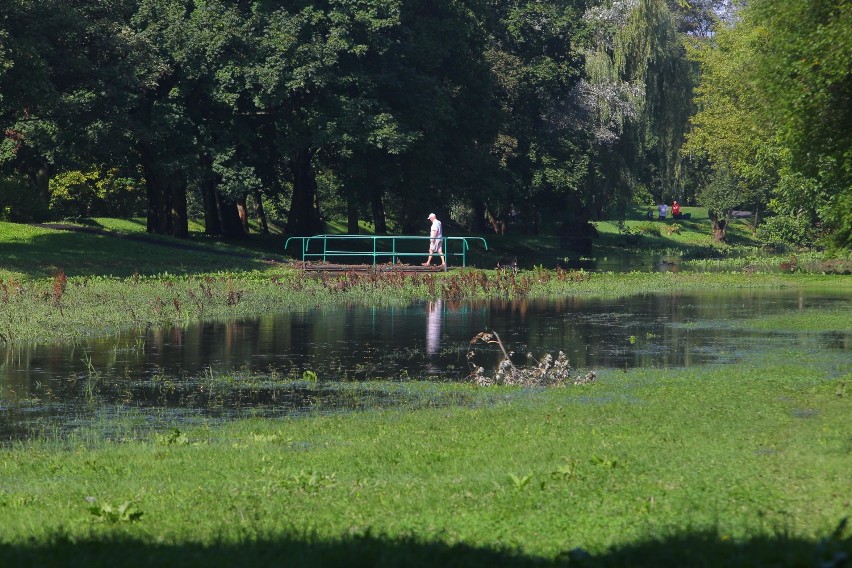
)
(99, 306)
(60, 284)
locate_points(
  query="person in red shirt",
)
(675, 209)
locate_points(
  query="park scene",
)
(407, 283)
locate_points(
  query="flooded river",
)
(50, 386)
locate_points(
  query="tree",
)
(637, 90)
(773, 105)
(721, 196)
(45, 83)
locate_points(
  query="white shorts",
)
(435, 246)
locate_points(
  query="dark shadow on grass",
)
(93, 252)
(694, 550)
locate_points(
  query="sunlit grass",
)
(756, 450)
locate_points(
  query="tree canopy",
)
(494, 113)
(774, 108)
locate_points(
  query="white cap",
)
(431, 216)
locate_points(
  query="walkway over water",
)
(391, 248)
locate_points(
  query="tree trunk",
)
(229, 215)
(178, 217)
(379, 215)
(212, 219)
(166, 192)
(260, 213)
(352, 215)
(477, 223)
(40, 182)
(242, 212)
(155, 192)
(304, 219)
(720, 227)
(497, 224)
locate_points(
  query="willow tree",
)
(638, 91)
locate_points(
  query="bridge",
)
(391, 249)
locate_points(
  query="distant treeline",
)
(492, 113)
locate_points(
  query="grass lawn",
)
(745, 464)
(738, 465)
(34, 252)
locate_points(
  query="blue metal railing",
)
(389, 243)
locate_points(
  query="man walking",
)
(436, 243)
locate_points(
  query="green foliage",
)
(639, 85)
(773, 106)
(722, 195)
(127, 512)
(92, 193)
(173, 437)
(18, 204)
(786, 230)
(648, 228)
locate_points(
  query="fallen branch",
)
(545, 372)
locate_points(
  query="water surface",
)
(229, 366)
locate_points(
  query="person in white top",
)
(436, 242)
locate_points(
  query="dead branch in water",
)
(545, 372)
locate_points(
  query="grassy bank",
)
(58, 285)
(121, 248)
(68, 309)
(744, 464)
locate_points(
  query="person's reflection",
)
(434, 315)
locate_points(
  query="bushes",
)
(94, 192)
(649, 228)
(786, 231)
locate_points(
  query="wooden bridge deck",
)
(319, 266)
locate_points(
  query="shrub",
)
(649, 228)
(786, 230)
(95, 192)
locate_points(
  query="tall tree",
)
(774, 107)
(44, 85)
(638, 90)
(537, 149)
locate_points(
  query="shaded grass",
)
(688, 236)
(123, 249)
(34, 252)
(642, 466)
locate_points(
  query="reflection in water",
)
(434, 315)
(355, 343)
(364, 343)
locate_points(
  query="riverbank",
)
(122, 248)
(58, 285)
(740, 465)
(745, 463)
(69, 309)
